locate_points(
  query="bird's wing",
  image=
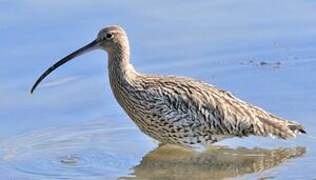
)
(220, 111)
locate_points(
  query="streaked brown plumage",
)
(178, 110)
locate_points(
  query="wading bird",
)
(178, 110)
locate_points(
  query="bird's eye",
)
(109, 36)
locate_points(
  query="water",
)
(72, 127)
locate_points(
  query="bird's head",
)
(107, 39)
(111, 37)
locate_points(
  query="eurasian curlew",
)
(178, 110)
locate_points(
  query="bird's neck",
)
(122, 76)
(119, 67)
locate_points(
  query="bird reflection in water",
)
(218, 162)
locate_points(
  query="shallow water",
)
(72, 127)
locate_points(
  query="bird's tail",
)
(281, 128)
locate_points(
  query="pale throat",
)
(119, 66)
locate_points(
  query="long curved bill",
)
(87, 48)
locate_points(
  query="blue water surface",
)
(72, 127)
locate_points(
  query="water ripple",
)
(85, 152)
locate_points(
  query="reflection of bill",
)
(169, 162)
